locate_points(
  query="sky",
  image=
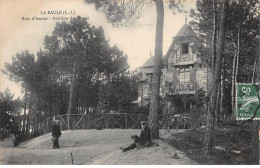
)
(136, 40)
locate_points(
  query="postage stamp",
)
(247, 101)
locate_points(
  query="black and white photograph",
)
(129, 82)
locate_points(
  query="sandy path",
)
(88, 147)
(156, 155)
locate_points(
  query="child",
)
(56, 133)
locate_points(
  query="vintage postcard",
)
(129, 82)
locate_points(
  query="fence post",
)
(68, 119)
(61, 128)
(84, 122)
(47, 125)
(32, 132)
(39, 128)
(125, 121)
(88, 126)
(107, 121)
(44, 129)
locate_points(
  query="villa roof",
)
(186, 30)
(149, 62)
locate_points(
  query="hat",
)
(143, 122)
(57, 121)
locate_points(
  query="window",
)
(185, 48)
(184, 75)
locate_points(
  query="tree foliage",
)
(244, 12)
(9, 113)
(101, 73)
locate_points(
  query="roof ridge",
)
(186, 30)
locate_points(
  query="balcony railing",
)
(183, 88)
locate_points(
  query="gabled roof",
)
(186, 30)
(149, 62)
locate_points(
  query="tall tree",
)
(47, 80)
(85, 55)
(216, 80)
(240, 14)
(255, 130)
(240, 6)
(119, 11)
(155, 86)
(22, 71)
(214, 39)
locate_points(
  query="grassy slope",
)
(231, 138)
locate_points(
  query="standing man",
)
(56, 133)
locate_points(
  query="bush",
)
(195, 116)
(35, 134)
(141, 110)
(21, 137)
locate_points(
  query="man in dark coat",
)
(145, 134)
(145, 137)
(56, 133)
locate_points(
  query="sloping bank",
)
(155, 155)
(90, 147)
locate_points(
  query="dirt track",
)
(88, 147)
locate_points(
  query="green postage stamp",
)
(247, 101)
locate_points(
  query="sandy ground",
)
(90, 147)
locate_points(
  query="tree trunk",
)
(217, 111)
(61, 94)
(214, 36)
(255, 142)
(233, 87)
(215, 84)
(34, 119)
(2, 124)
(235, 73)
(155, 87)
(29, 112)
(71, 93)
(253, 76)
(51, 98)
(24, 109)
(223, 78)
(255, 130)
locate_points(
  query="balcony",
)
(183, 88)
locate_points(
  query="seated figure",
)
(143, 140)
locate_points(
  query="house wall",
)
(175, 54)
(173, 71)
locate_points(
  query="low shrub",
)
(21, 137)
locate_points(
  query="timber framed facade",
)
(182, 72)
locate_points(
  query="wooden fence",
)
(115, 120)
(92, 121)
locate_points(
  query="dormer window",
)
(185, 48)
